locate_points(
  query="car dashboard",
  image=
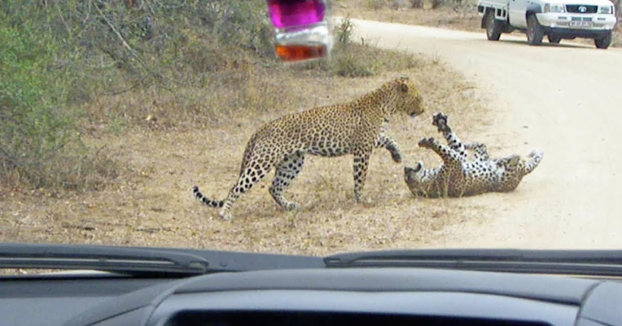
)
(363, 296)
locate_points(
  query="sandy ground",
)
(564, 99)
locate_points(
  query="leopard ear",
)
(404, 86)
(419, 166)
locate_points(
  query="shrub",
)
(375, 4)
(416, 4)
(58, 55)
(36, 129)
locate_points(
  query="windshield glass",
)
(309, 127)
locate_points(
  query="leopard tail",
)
(211, 203)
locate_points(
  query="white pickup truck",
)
(557, 19)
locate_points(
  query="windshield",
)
(413, 124)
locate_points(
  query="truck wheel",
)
(493, 26)
(554, 39)
(535, 32)
(603, 42)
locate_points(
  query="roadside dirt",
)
(563, 99)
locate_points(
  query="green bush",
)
(38, 134)
(417, 4)
(117, 45)
(375, 4)
(57, 56)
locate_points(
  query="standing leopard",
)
(353, 128)
(458, 176)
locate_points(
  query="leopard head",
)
(408, 99)
(413, 176)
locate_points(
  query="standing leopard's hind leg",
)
(250, 174)
(286, 172)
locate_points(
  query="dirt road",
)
(565, 100)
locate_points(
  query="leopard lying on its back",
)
(351, 128)
(458, 176)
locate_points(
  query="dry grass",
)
(167, 143)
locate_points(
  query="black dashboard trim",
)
(431, 304)
(542, 288)
(103, 306)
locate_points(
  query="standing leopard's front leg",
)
(286, 172)
(390, 144)
(361, 163)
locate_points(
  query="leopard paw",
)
(397, 157)
(440, 120)
(426, 142)
(292, 206)
(225, 215)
